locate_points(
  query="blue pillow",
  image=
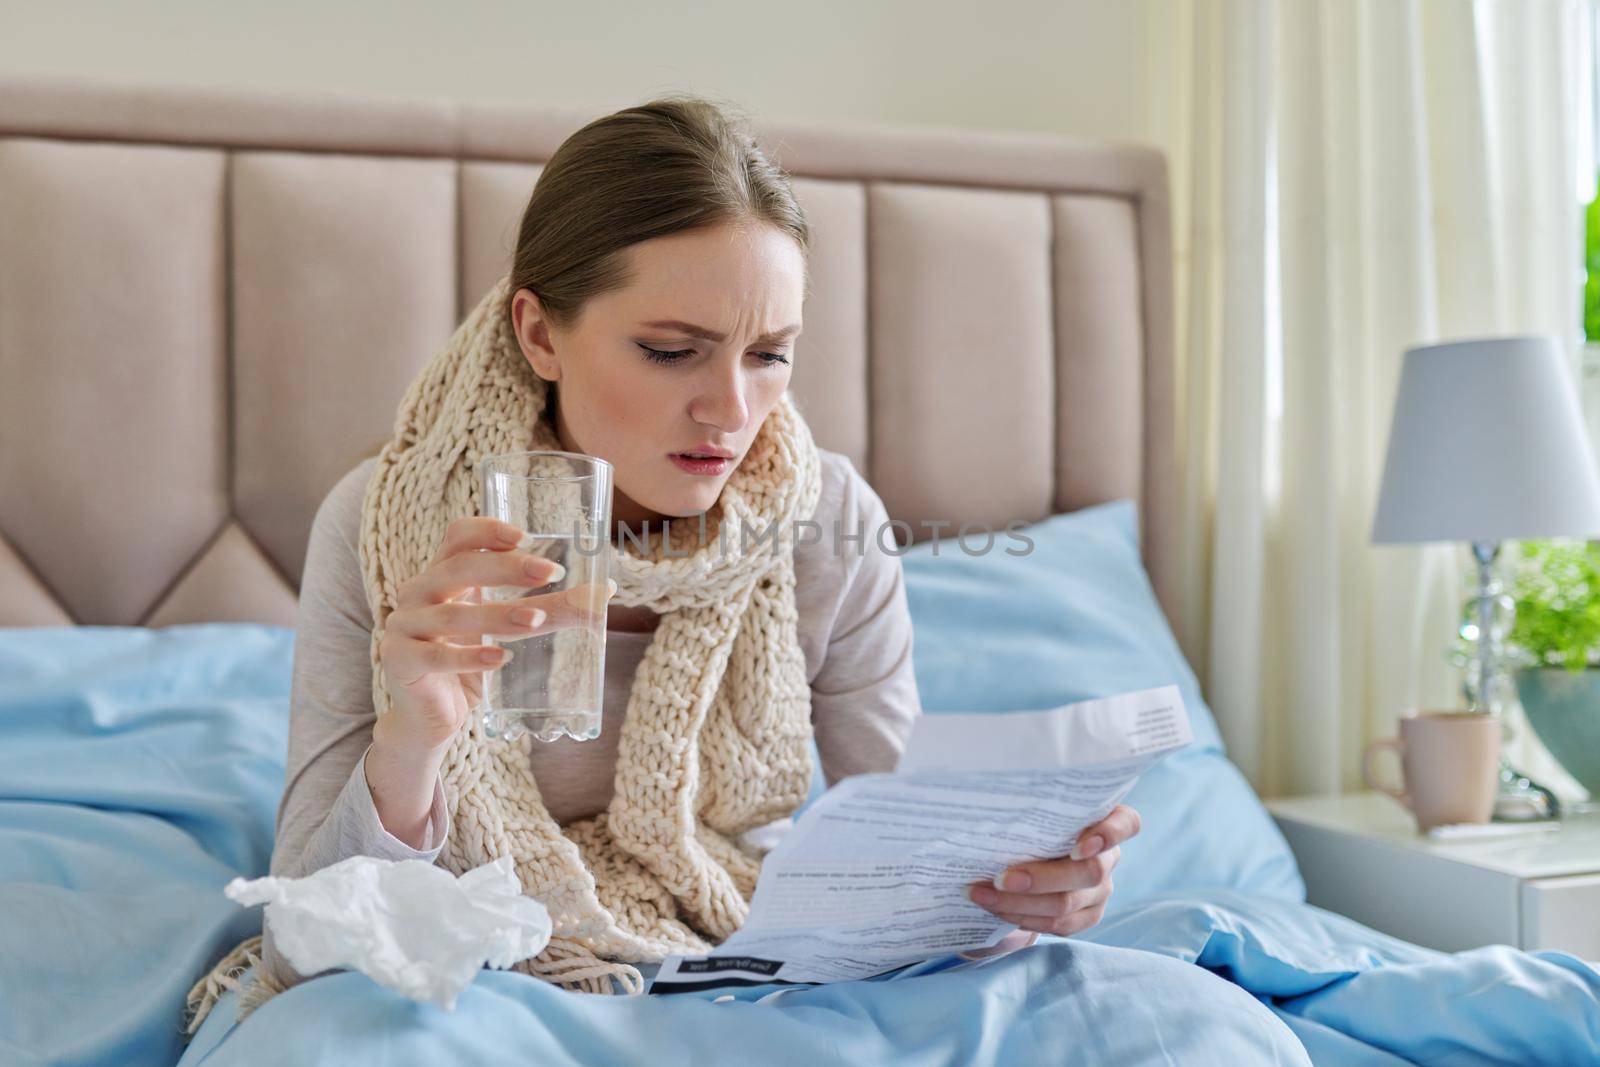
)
(1074, 618)
(1071, 618)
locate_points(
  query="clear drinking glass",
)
(553, 683)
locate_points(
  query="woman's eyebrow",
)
(705, 334)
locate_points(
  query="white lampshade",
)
(1487, 444)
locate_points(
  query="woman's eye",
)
(656, 355)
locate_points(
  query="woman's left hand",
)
(1065, 895)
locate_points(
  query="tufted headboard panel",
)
(211, 302)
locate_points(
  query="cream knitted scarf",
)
(716, 738)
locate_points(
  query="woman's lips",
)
(699, 466)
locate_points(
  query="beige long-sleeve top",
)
(853, 625)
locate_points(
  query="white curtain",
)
(1350, 177)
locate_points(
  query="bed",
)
(179, 387)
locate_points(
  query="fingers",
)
(506, 570)
(1062, 925)
(458, 619)
(476, 551)
(1121, 824)
(1067, 894)
(1044, 902)
(589, 597)
(476, 531)
(456, 575)
(408, 659)
(580, 605)
(1059, 875)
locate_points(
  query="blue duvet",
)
(140, 771)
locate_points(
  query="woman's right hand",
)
(432, 653)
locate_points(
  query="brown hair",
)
(679, 162)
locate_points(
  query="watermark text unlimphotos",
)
(892, 536)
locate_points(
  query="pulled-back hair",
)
(675, 164)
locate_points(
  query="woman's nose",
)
(722, 404)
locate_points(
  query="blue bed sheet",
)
(140, 771)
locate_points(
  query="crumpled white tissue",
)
(407, 924)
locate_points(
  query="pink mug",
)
(1449, 766)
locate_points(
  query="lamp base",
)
(1517, 798)
(1521, 799)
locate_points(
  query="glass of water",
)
(552, 685)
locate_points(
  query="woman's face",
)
(723, 304)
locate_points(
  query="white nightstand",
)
(1362, 856)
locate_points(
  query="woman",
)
(650, 317)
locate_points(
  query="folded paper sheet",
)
(406, 924)
(875, 873)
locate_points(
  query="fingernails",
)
(510, 534)
(611, 587)
(1089, 846)
(1014, 881)
(527, 616)
(491, 656)
(982, 894)
(536, 568)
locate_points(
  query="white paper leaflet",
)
(874, 875)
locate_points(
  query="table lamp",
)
(1488, 443)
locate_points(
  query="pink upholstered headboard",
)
(212, 301)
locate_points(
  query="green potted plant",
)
(1589, 369)
(1555, 638)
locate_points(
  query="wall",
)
(1065, 66)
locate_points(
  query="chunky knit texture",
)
(716, 739)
